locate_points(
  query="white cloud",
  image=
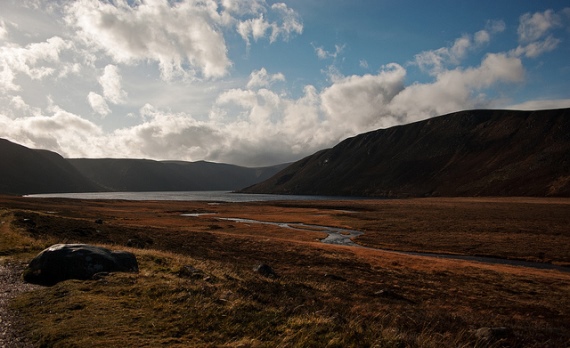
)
(535, 32)
(255, 27)
(63, 132)
(291, 22)
(241, 7)
(287, 24)
(98, 104)
(324, 54)
(457, 89)
(533, 27)
(436, 61)
(36, 60)
(535, 49)
(541, 104)
(260, 78)
(185, 39)
(111, 83)
(357, 103)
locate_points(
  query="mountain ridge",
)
(467, 153)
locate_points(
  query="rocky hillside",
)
(26, 171)
(469, 153)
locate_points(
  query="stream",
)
(342, 236)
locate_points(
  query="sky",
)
(261, 82)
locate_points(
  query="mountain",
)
(26, 171)
(149, 175)
(468, 153)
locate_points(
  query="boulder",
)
(76, 261)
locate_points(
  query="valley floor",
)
(324, 295)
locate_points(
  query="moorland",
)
(198, 285)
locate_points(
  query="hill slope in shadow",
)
(468, 153)
(148, 175)
(26, 171)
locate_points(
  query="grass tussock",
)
(14, 241)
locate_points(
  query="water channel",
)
(341, 236)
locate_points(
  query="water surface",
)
(212, 196)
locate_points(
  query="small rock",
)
(334, 277)
(190, 272)
(388, 293)
(489, 334)
(265, 270)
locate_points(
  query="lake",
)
(211, 196)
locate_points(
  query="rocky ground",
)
(11, 284)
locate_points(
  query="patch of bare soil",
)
(11, 285)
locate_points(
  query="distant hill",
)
(27, 171)
(469, 153)
(149, 175)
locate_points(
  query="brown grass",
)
(325, 295)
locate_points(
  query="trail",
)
(11, 285)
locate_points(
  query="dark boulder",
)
(76, 261)
(265, 270)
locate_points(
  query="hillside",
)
(26, 171)
(149, 175)
(468, 153)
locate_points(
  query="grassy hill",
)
(468, 153)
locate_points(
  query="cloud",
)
(98, 104)
(111, 83)
(260, 78)
(541, 104)
(535, 32)
(185, 39)
(36, 60)
(66, 133)
(535, 49)
(457, 89)
(323, 54)
(436, 61)
(287, 24)
(356, 103)
(241, 7)
(534, 26)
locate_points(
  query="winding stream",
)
(342, 236)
